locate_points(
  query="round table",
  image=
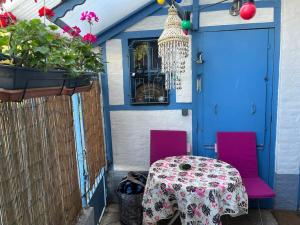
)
(210, 189)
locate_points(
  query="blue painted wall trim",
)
(106, 114)
(237, 27)
(61, 9)
(140, 34)
(174, 106)
(195, 18)
(275, 89)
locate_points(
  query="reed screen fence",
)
(93, 132)
(38, 167)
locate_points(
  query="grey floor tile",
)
(111, 217)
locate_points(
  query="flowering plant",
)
(33, 44)
(90, 17)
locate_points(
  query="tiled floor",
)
(111, 217)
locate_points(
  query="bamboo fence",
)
(93, 132)
(38, 170)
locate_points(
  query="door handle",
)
(199, 84)
(253, 109)
(216, 109)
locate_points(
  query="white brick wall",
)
(131, 135)
(288, 123)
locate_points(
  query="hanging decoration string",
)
(44, 12)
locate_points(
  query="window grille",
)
(147, 82)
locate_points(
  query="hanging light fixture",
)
(173, 48)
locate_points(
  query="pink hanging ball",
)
(248, 11)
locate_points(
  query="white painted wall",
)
(131, 135)
(288, 121)
(222, 17)
(115, 71)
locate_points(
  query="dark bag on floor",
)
(130, 192)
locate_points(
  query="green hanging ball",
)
(186, 25)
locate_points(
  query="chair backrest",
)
(165, 143)
(239, 150)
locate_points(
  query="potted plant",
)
(35, 55)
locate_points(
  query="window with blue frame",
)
(146, 81)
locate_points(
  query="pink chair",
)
(239, 150)
(165, 143)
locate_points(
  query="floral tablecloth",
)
(211, 188)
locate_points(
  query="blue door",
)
(233, 88)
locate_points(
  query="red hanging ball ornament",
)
(186, 32)
(248, 10)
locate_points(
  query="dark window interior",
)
(147, 83)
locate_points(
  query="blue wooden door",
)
(233, 88)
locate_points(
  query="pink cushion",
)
(239, 150)
(165, 143)
(256, 188)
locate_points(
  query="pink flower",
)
(89, 16)
(74, 31)
(89, 38)
(66, 29)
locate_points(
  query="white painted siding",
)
(26, 10)
(185, 94)
(288, 123)
(204, 2)
(131, 135)
(115, 71)
(149, 23)
(109, 11)
(222, 17)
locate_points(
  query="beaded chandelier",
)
(173, 48)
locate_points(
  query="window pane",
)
(139, 64)
(147, 83)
